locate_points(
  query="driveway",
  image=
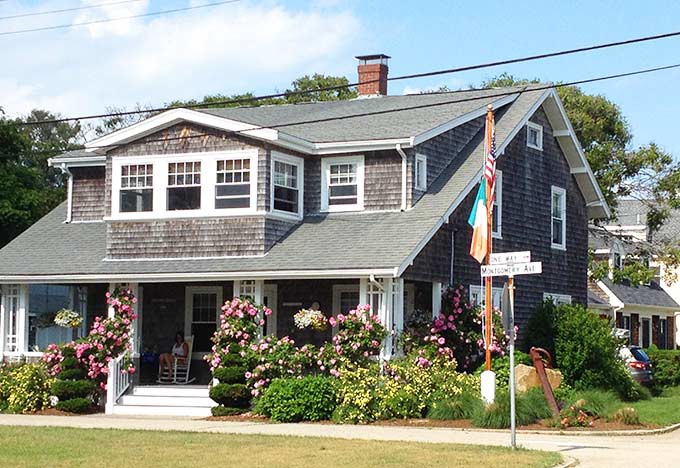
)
(657, 451)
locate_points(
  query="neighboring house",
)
(649, 312)
(338, 203)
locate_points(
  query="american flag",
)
(490, 168)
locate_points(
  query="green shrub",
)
(69, 362)
(600, 403)
(666, 365)
(311, 398)
(28, 388)
(542, 327)
(627, 416)
(231, 395)
(230, 375)
(529, 407)
(69, 389)
(461, 406)
(75, 405)
(72, 374)
(225, 411)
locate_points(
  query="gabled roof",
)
(645, 295)
(633, 214)
(45, 250)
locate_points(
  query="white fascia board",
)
(613, 299)
(203, 276)
(88, 161)
(591, 177)
(648, 310)
(445, 127)
(171, 117)
(360, 146)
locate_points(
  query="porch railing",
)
(117, 383)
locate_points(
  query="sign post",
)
(510, 264)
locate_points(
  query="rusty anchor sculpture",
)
(542, 360)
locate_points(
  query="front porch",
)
(193, 308)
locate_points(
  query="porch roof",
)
(344, 244)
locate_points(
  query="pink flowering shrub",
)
(456, 333)
(108, 339)
(360, 335)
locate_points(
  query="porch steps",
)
(166, 400)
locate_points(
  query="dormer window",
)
(343, 187)
(535, 136)
(421, 172)
(287, 184)
(233, 184)
(136, 188)
(184, 186)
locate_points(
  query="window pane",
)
(343, 191)
(232, 203)
(557, 231)
(184, 198)
(342, 201)
(136, 200)
(286, 199)
(232, 190)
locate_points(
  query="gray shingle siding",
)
(526, 225)
(88, 194)
(382, 190)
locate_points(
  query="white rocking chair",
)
(180, 368)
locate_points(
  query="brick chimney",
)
(372, 70)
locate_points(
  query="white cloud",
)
(227, 49)
(111, 10)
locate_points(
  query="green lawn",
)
(64, 447)
(663, 410)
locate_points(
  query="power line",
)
(120, 18)
(65, 10)
(500, 93)
(395, 78)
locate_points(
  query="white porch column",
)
(398, 311)
(110, 377)
(258, 295)
(387, 318)
(436, 299)
(363, 291)
(3, 322)
(22, 319)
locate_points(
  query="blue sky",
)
(261, 46)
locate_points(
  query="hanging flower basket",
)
(310, 318)
(68, 319)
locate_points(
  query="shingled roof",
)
(647, 295)
(47, 248)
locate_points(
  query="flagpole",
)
(489, 218)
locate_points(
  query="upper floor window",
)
(421, 172)
(497, 213)
(343, 186)
(220, 183)
(136, 188)
(184, 186)
(535, 136)
(559, 217)
(232, 189)
(287, 184)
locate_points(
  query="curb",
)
(568, 462)
(633, 432)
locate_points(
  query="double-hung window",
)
(184, 186)
(232, 189)
(535, 136)
(559, 217)
(136, 188)
(287, 184)
(343, 187)
(421, 172)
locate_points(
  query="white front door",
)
(202, 312)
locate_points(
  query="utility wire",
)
(500, 93)
(65, 10)
(395, 78)
(120, 18)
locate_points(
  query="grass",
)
(663, 410)
(66, 447)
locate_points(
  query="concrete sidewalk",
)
(659, 451)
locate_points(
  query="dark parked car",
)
(638, 363)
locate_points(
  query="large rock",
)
(526, 377)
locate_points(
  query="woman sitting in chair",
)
(179, 351)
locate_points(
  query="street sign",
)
(510, 257)
(515, 269)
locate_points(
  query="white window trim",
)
(160, 163)
(338, 289)
(188, 310)
(497, 233)
(300, 164)
(554, 190)
(496, 295)
(557, 299)
(325, 180)
(422, 159)
(539, 129)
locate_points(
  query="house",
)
(649, 312)
(335, 203)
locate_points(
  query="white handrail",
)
(117, 382)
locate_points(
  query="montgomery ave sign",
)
(512, 269)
